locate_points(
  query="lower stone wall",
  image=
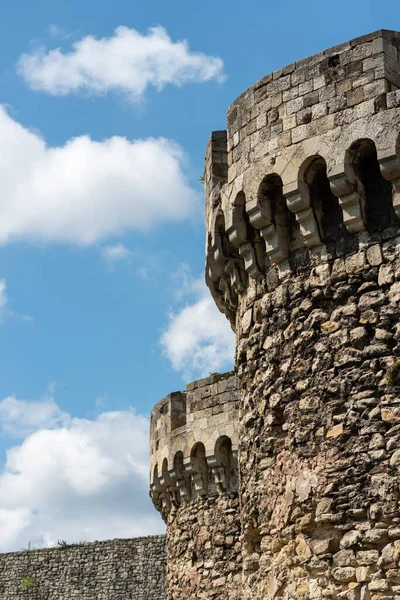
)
(320, 431)
(203, 550)
(120, 569)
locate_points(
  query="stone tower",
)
(194, 484)
(303, 257)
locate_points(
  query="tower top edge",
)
(350, 46)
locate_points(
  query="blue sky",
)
(102, 307)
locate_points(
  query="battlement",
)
(193, 442)
(308, 169)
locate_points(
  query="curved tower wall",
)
(303, 257)
(193, 476)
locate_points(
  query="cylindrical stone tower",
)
(193, 462)
(303, 257)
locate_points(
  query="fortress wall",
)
(120, 569)
(204, 551)
(319, 362)
(194, 485)
(303, 257)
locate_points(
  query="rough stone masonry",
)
(303, 257)
(194, 483)
(121, 569)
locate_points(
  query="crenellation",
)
(205, 412)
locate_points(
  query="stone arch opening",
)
(225, 459)
(247, 238)
(327, 211)
(228, 249)
(273, 205)
(241, 217)
(165, 484)
(375, 191)
(155, 474)
(178, 465)
(179, 473)
(199, 470)
(155, 488)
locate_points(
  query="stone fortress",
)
(281, 480)
(300, 497)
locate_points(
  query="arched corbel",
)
(218, 473)
(213, 287)
(235, 276)
(298, 200)
(236, 227)
(156, 489)
(260, 218)
(349, 199)
(249, 255)
(238, 233)
(196, 479)
(259, 211)
(166, 486)
(181, 488)
(390, 169)
(173, 489)
(226, 264)
(370, 170)
(155, 496)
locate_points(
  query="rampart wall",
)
(194, 485)
(303, 257)
(120, 569)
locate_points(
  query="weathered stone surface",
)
(121, 569)
(319, 420)
(194, 438)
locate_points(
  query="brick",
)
(355, 97)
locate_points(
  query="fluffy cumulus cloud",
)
(87, 190)
(128, 61)
(198, 339)
(18, 417)
(73, 479)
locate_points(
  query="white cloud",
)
(74, 479)
(128, 62)
(57, 31)
(5, 311)
(198, 339)
(116, 253)
(19, 418)
(86, 190)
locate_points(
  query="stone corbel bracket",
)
(298, 201)
(390, 169)
(196, 478)
(238, 232)
(276, 245)
(225, 273)
(349, 199)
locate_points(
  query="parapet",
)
(193, 443)
(308, 168)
